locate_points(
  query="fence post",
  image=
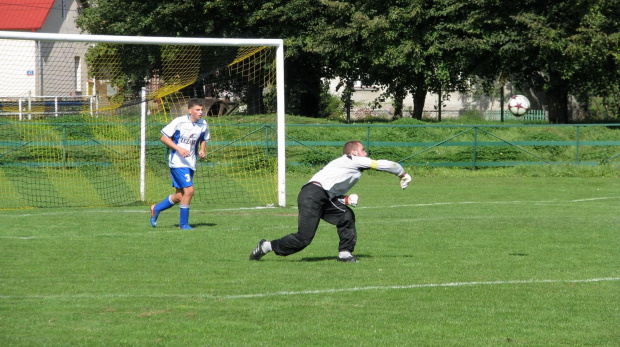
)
(90, 104)
(577, 146)
(439, 105)
(64, 146)
(29, 105)
(475, 154)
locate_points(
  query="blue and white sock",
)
(164, 205)
(184, 214)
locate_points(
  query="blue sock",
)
(163, 205)
(184, 214)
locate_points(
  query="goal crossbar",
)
(145, 40)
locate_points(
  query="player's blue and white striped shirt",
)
(188, 135)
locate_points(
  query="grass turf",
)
(479, 261)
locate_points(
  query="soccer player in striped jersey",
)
(323, 197)
(186, 136)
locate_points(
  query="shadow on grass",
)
(358, 256)
(315, 259)
(198, 225)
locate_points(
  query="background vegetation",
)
(313, 142)
(562, 48)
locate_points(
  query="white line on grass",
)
(305, 292)
(132, 234)
(258, 208)
(517, 202)
(593, 199)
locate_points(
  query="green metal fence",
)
(465, 145)
(414, 145)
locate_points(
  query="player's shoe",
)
(154, 216)
(185, 227)
(351, 259)
(258, 253)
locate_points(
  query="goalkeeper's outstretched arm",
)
(392, 167)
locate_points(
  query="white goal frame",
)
(154, 40)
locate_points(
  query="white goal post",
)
(278, 44)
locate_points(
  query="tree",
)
(297, 22)
(153, 17)
(397, 42)
(403, 42)
(168, 18)
(567, 47)
(560, 47)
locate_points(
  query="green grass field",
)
(451, 261)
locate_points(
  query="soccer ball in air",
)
(518, 105)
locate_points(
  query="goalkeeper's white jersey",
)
(188, 135)
(340, 175)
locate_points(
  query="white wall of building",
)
(46, 68)
(18, 72)
(61, 18)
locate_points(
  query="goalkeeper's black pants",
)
(314, 204)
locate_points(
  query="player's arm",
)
(391, 167)
(204, 137)
(202, 152)
(170, 143)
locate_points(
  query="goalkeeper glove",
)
(404, 180)
(350, 200)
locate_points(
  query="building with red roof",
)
(24, 14)
(41, 69)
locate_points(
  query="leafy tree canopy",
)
(568, 47)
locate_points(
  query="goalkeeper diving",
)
(324, 197)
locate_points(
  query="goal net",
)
(81, 117)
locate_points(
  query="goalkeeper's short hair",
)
(350, 147)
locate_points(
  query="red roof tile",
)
(24, 14)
